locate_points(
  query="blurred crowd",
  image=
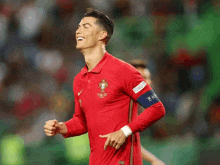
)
(179, 39)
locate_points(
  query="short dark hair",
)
(103, 20)
(138, 63)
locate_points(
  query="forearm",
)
(62, 128)
(147, 118)
(75, 126)
(146, 155)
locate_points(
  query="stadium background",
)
(38, 62)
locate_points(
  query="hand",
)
(114, 139)
(51, 127)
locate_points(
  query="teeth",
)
(80, 38)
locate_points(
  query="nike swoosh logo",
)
(80, 92)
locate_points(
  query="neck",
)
(93, 56)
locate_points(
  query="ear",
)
(103, 35)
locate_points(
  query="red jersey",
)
(102, 97)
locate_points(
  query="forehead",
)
(90, 20)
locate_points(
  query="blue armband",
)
(148, 99)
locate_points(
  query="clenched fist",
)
(52, 127)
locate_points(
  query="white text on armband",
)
(148, 99)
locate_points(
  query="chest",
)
(99, 91)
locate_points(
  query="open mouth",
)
(80, 38)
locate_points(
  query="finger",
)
(54, 122)
(56, 125)
(104, 136)
(106, 143)
(117, 146)
(48, 126)
(51, 128)
(50, 123)
(50, 134)
(114, 144)
(48, 131)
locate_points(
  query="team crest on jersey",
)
(102, 85)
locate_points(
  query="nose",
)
(78, 31)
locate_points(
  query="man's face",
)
(87, 34)
(145, 74)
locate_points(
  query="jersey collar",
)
(99, 66)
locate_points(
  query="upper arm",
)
(137, 88)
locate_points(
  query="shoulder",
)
(121, 65)
(124, 73)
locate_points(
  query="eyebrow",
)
(85, 24)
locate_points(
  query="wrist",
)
(62, 128)
(126, 130)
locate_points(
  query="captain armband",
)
(148, 99)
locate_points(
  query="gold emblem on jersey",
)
(102, 85)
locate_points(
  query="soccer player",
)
(106, 93)
(141, 66)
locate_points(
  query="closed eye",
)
(85, 25)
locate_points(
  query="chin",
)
(81, 47)
(78, 47)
